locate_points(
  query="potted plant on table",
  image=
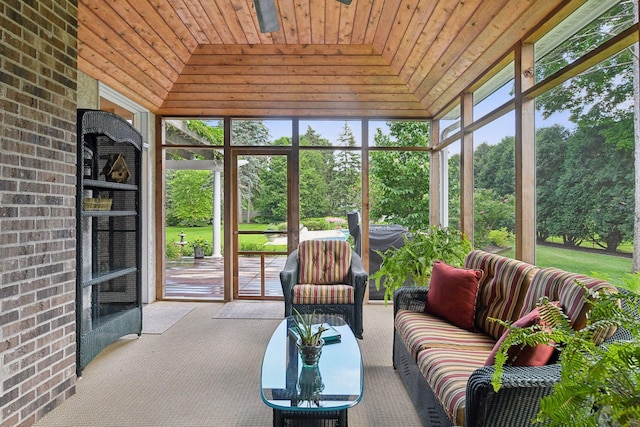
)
(309, 336)
(412, 263)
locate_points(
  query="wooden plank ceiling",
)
(373, 58)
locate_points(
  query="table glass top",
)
(336, 383)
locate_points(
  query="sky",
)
(493, 133)
(329, 129)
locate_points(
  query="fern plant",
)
(599, 384)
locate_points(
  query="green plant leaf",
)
(599, 384)
(412, 263)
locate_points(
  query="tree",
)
(345, 180)
(604, 94)
(594, 196)
(399, 189)
(271, 192)
(249, 132)
(213, 134)
(454, 191)
(636, 126)
(316, 167)
(494, 193)
(189, 198)
(314, 188)
(491, 212)
(315, 170)
(551, 150)
(189, 192)
(494, 166)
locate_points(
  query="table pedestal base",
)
(310, 418)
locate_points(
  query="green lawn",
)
(247, 242)
(588, 263)
(582, 262)
(623, 247)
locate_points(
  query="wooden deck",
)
(190, 278)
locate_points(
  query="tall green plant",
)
(413, 262)
(599, 384)
(303, 325)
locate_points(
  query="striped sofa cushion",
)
(325, 294)
(503, 294)
(447, 372)
(560, 285)
(421, 331)
(324, 261)
(481, 260)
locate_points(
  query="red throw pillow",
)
(527, 355)
(452, 294)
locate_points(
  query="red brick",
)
(37, 199)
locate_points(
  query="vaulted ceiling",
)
(373, 58)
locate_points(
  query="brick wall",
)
(37, 207)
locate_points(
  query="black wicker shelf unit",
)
(108, 301)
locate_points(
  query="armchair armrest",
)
(358, 277)
(288, 279)
(410, 298)
(518, 400)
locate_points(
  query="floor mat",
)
(158, 317)
(251, 310)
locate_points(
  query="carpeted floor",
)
(251, 310)
(205, 371)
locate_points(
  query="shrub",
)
(260, 247)
(281, 226)
(317, 224)
(251, 247)
(173, 251)
(336, 222)
(501, 238)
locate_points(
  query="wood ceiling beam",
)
(290, 79)
(282, 49)
(249, 96)
(303, 110)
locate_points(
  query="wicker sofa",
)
(445, 368)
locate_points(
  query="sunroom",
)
(347, 79)
(515, 122)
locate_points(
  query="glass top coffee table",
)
(323, 392)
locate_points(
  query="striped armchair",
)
(327, 277)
